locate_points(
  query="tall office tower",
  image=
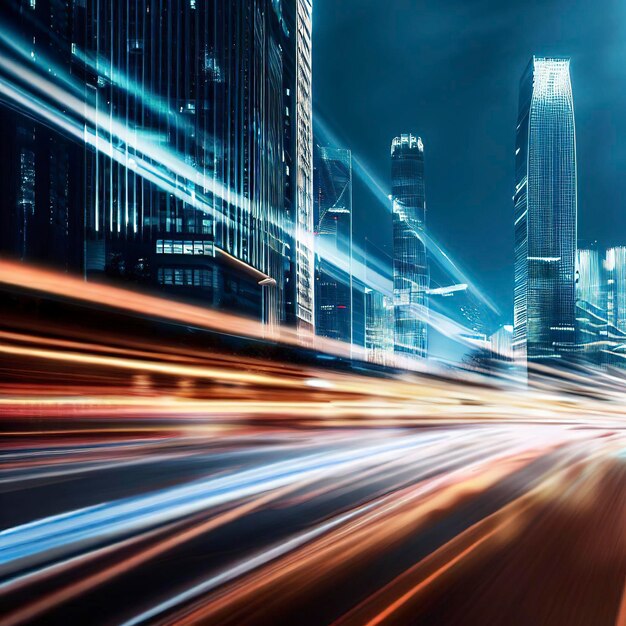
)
(410, 264)
(379, 327)
(41, 167)
(333, 243)
(616, 278)
(195, 198)
(305, 307)
(545, 213)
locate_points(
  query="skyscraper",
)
(545, 207)
(333, 243)
(305, 262)
(501, 342)
(616, 270)
(211, 111)
(410, 265)
(180, 150)
(591, 277)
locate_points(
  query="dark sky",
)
(448, 70)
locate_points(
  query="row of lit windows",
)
(196, 247)
(185, 277)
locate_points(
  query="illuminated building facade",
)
(591, 277)
(410, 264)
(333, 301)
(305, 288)
(545, 208)
(501, 343)
(212, 113)
(181, 150)
(333, 242)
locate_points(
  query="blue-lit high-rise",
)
(410, 264)
(379, 327)
(545, 208)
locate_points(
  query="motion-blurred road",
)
(149, 478)
(487, 524)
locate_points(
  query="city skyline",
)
(461, 97)
(194, 204)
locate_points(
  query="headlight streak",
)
(374, 527)
(84, 526)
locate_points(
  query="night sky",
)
(448, 70)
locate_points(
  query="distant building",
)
(545, 213)
(591, 277)
(379, 335)
(333, 302)
(41, 168)
(359, 313)
(600, 338)
(334, 297)
(410, 264)
(616, 287)
(501, 343)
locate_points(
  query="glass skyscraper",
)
(333, 243)
(545, 208)
(175, 148)
(200, 87)
(410, 264)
